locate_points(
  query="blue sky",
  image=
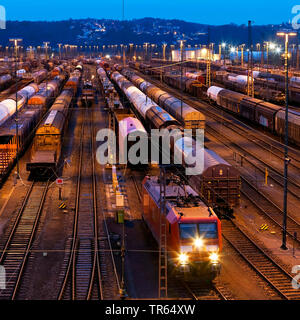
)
(211, 12)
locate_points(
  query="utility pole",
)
(242, 55)
(250, 82)
(181, 73)
(164, 51)
(15, 42)
(146, 51)
(59, 47)
(163, 262)
(286, 138)
(46, 43)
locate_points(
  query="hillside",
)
(91, 31)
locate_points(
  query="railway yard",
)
(75, 228)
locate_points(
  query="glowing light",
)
(223, 44)
(204, 51)
(277, 50)
(214, 257)
(183, 258)
(232, 49)
(272, 46)
(198, 242)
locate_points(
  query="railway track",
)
(83, 268)
(268, 208)
(260, 261)
(266, 143)
(16, 250)
(87, 270)
(212, 292)
(257, 163)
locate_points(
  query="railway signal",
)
(59, 182)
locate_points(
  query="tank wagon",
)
(47, 92)
(189, 117)
(39, 76)
(73, 82)
(8, 106)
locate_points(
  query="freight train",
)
(260, 112)
(268, 84)
(193, 230)
(112, 99)
(29, 117)
(9, 105)
(47, 144)
(219, 182)
(263, 113)
(189, 117)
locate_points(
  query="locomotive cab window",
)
(188, 230)
(208, 230)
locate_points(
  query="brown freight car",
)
(219, 182)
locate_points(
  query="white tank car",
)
(8, 106)
(140, 101)
(128, 126)
(213, 92)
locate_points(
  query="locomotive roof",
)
(181, 201)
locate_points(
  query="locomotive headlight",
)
(183, 258)
(214, 257)
(198, 242)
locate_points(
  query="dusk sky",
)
(208, 12)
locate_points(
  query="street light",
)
(286, 139)
(46, 47)
(181, 72)
(59, 47)
(15, 42)
(164, 51)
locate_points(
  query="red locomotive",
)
(193, 230)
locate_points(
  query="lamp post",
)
(146, 51)
(59, 47)
(181, 72)
(242, 54)
(15, 42)
(164, 51)
(286, 139)
(224, 47)
(46, 48)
